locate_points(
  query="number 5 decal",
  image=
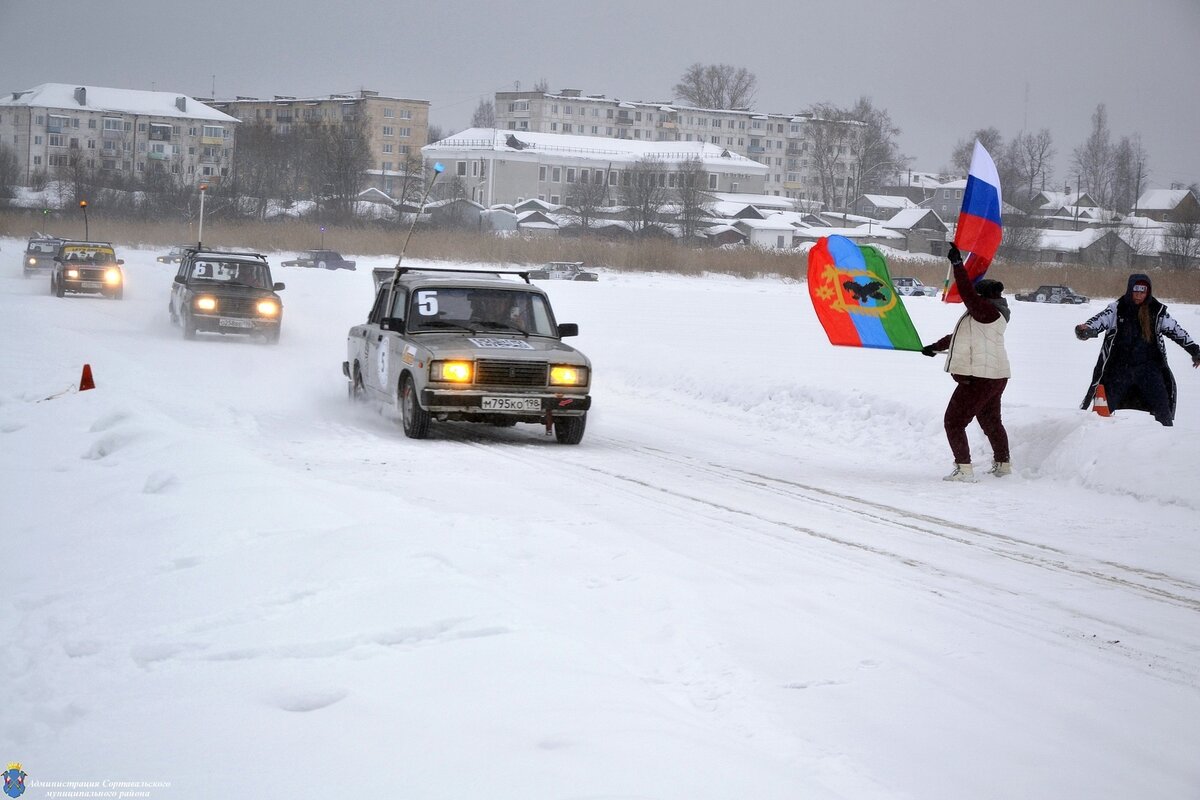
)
(427, 303)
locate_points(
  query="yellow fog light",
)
(72, 273)
(267, 308)
(112, 276)
(567, 375)
(206, 303)
(452, 371)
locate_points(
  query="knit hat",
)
(989, 289)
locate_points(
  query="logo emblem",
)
(14, 780)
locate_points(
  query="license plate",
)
(91, 285)
(511, 404)
(226, 322)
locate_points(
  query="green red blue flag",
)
(855, 302)
(979, 228)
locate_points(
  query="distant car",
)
(911, 287)
(39, 254)
(227, 292)
(1052, 294)
(563, 271)
(174, 255)
(321, 259)
(88, 268)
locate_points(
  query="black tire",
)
(1041, 298)
(189, 329)
(272, 336)
(58, 288)
(355, 389)
(321, 265)
(414, 418)
(118, 293)
(569, 430)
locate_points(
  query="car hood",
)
(234, 291)
(495, 344)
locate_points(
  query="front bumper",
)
(246, 326)
(464, 403)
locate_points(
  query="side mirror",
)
(568, 329)
(120, 261)
(278, 287)
(182, 281)
(392, 323)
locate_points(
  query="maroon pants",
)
(976, 398)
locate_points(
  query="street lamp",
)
(83, 205)
(322, 237)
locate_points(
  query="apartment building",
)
(396, 127)
(55, 127)
(494, 166)
(784, 143)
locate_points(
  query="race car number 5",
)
(427, 304)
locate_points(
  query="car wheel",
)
(569, 430)
(321, 265)
(118, 293)
(1041, 298)
(189, 329)
(357, 392)
(414, 418)
(272, 336)
(57, 287)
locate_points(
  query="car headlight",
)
(267, 308)
(112, 276)
(452, 371)
(206, 303)
(32, 261)
(568, 375)
(72, 273)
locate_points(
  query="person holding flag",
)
(978, 362)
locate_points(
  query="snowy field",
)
(748, 581)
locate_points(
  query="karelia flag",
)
(852, 293)
(979, 229)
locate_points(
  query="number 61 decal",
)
(427, 304)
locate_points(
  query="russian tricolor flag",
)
(979, 228)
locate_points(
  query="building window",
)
(405, 114)
(556, 175)
(554, 200)
(542, 174)
(214, 131)
(389, 112)
(387, 166)
(405, 132)
(612, 178)
(461, 169)
(570, 174)
(388, 130)
(712, 181)
(387, 147)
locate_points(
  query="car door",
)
(377, 371)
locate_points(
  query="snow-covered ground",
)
(748, 581)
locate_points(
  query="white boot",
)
(1000, 469)
(962, 473)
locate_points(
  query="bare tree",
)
(694, 201)
(717, 86)
(876, 153)
(485, 115)
(586, 196)
(990, 138)
(1181, 242)
(542, 85)
(644, 191)
(339, 155)
(1094, 159)
(435, 134)
(1130, 171)
(1030, 155)
(9, 171)
(833, 148)
(1022, 240)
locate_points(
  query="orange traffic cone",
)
(85, 380)
(1100, 402)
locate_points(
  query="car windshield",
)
(43, 247)
(88, 254)
(232, 273)
(439, 309)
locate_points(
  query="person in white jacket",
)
(978, 363)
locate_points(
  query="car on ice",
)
(87, 268)
(174, 255)
(911, 287)
(1052, 294)
(455, 345)
(226, 292)
(320, 259)
(563, 271)
(39, 254)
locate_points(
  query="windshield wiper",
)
(441, 323)
(504, 326)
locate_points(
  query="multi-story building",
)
(496, 166)
(784, 143)
(55, 127)
(396, 127)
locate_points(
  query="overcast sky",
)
(942, 68)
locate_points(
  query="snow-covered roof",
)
(760, 201)
(889, 201)
(909, 217)
(794, 218)
(960, 183)
(772, 223)
(873, 231)
(567, 146)
(837, 216)
(921, 180)
(1161, 199)
(125, 101)
(1070, 241)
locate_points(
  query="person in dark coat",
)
(1133, 358)
(978, 363)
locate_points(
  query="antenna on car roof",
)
(200, 232)
(437, 171)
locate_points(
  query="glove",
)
(1082, 333)
(955, 256)
(928, 350)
